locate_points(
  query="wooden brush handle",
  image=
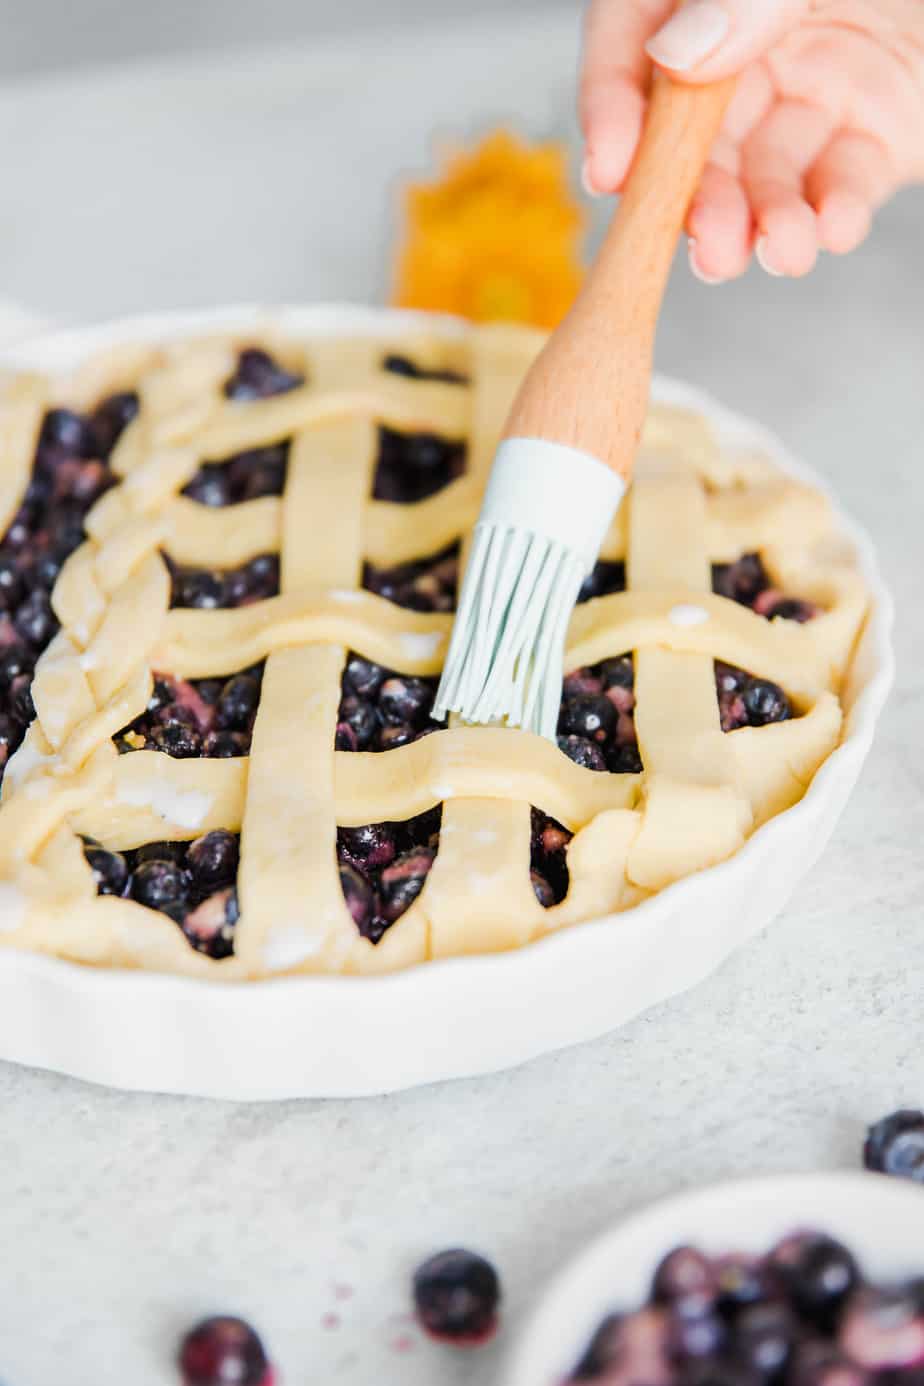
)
(588, 388)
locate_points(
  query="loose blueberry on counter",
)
(895, 1145)
(69, 473)
(223, 1351)
(456, 1296)
(403, 365)
(427, 584)
(412, 466)
(383, 867)
(259, 376)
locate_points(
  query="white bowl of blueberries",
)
(791, 1280)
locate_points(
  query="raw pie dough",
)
(701, 794)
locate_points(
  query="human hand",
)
(826, 122)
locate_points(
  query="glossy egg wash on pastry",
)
(227, 581)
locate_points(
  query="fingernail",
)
(760, 250)
(694, 32)
(700, 274)
(586, 184)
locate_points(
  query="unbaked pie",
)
(226, 587)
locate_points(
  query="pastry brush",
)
(567, 451)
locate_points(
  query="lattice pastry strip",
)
(693, 505)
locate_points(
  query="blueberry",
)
(542, 889)
(177, 739)
(223, 745)
(682, 1273)
(15, 660)
(895, 1145)
(618, 672)
(792, 609)
(265, 480)
(404, 699)
(62, 428)
(764, 1337)
(370, 846)
(588, 715)
(818, 1362)
(161, 885)
(390, 738)
(10, 582)
(359, 896)
(402, 365)
(742, 581)
(110, 870)
(223, 1351)
(209, 690)
(585, 753)
(34, 620)
(624, 759)
(110, 418)
(363, 677)
(740, 1281)
(695, 1330)
(456, 1295)
(209, 928)
(402, 881)
(883, 1328)
(210, 485)
(362, 721)
(21, 706)
(212, 860)
(605, 578)
(194, 587)
(765, 702)
(819, 1273)
(238, 703)
(603, 1352)
(261, 576)
(258, 376)
(45, 570)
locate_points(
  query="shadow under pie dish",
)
(234, 545)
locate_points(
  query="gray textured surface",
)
(123, 1217)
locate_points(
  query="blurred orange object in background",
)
(496, 236)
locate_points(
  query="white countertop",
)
(123, 1217)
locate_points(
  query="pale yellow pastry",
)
(115, 756)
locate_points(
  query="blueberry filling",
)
(383, 867)
(243, 477)
(747, 582)
(403, 365)
(258, 376)
(596, 720)
(548, 864)
(193, 883)
(209, 588)
(381, 709)
(427, 584)
(802, 1315)
(605, 579)
(745, 701)
(188, 718)
(69, 473)
(412, 466)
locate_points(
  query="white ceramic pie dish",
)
(304, 1036)
(880, 1219)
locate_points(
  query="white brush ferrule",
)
(546, 511)
(554, 490)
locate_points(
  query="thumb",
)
(708, 39)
